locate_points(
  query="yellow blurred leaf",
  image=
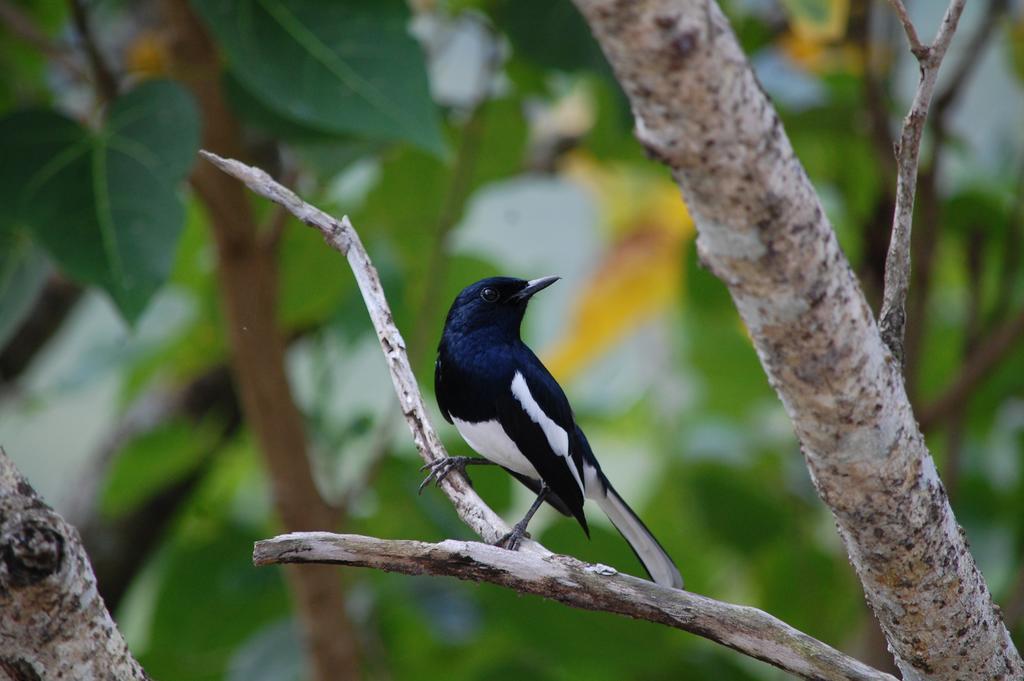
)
(816, 56)
(815, 39)
(146, 56)
(818, 20)
(641, 273)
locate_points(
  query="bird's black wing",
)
(536, 415)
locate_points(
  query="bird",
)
(511, 411)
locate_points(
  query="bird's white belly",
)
(490, 441)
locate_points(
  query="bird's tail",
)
(653, 557)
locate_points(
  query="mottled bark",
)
(761, 229)
(53, 623)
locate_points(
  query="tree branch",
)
(893, 317)
(789, 651)
(761, 229)
(53, 623)
(919, 49)
(581, 585)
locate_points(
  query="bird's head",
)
(496, 303)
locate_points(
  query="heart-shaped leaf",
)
(341, 67)
(104, 204)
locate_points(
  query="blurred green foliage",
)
(116, 185)
(426, 126)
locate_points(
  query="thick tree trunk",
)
(700, 110)
(53, 623)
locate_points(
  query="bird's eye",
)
(489, 295)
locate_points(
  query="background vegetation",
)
(466, 139)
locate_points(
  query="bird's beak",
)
(533, 286)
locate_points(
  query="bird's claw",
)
(512, 539)
(440, 469)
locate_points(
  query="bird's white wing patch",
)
(594, 487)
(557, 438)
(489, 440)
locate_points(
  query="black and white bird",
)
(511, 411)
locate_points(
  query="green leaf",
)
(313, 278)
(328, 159)
(550, 33)
(23, 271)
(274, 653)
(155, 461)
(737, 506)
(105, 204)
(227, 601)
(348, 68)
(31, 140)
(26, 68)
(251, 109)
(976, 209)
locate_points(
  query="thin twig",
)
(341, 236)
(580, 585)
(892, 320)
(920, 50)
(273, 226)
